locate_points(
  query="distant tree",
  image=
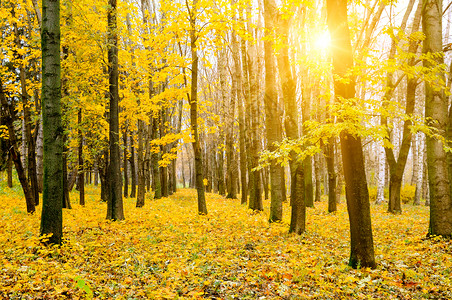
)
(271, 112)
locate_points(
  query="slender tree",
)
(193, 101)
(271, 115)
(288, 86)
(52, 198)
(115, 207)
(357, 194)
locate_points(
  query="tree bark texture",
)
(288, 85)
(202, 207)
(271, 115)
(115, 209)
(141, 177)
(357, 194)
(52, 197)
(436, 114)
(81, 174)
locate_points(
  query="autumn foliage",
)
(165, 250)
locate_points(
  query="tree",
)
(439, 173)
(193, 101)
(52, 197)
(288, 86)
(271, 112)
(357, 194)
(115, 207)
(397, 164)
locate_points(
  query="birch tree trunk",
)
(436, 112)
(381, 175)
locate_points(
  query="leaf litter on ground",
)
(165, 250)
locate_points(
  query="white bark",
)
(381, 174)
(419, 168)
(39, 156)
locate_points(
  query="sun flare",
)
(322, 41)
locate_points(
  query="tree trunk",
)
(8, 118)
(419, 170)
(222, 78)
(66, 198)
(125, 167)
(232, 171)
(397, 166)
(381, 176)
(102, 162)
(202, 207)
(271, 115)
(52, 198)
(164, 149)
(39, 156)
(133, 191)
(141, 176)
(255, 202)
(28, 155)
(288, 85)
(318, 185)
(9, 171)
(436, 114)
(332, 203)
(157, 179)
(81, 172)
(237, 93)
(115, 209)
(362, 250)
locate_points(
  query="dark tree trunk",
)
(318, 185)
(66, 199)
(329, 149)
(272, 115)
(29, 155)
(288, 85)
(125, 167)
(157, 179)
(202, 207)
(9, 171)
(103, 174)
(81, 172)
(141, 176)
(164, 149)
(133, 191)
(115, 209)
(397, 165)
(8, 118)
(265, 175)
(357, 194)
(255, 202)
(53, 197)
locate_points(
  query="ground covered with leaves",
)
(166, 251)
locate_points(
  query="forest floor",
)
(167, 251)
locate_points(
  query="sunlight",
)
(322, 41)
